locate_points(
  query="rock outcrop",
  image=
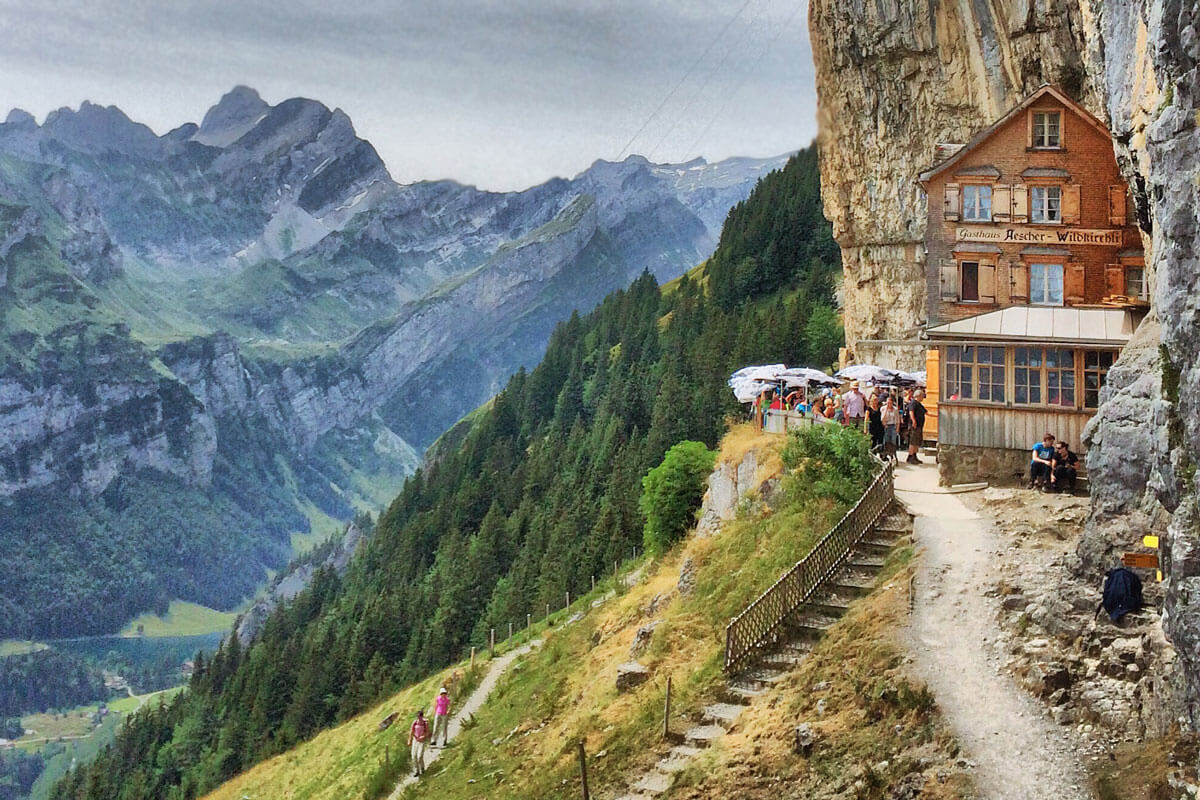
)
(893, 79)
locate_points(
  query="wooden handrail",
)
(757, 625)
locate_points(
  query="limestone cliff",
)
(897, 76)
(893, 79)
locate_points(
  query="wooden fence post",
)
(492, 644)
(568, 605)
(547, 611)
(593, 583)
(583, 771)
(667, 711)
(528, 620)
(510, 630)
(472, 658)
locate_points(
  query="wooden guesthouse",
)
(1035, 278)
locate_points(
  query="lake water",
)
(143, 650)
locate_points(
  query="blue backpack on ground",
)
(1122, 593)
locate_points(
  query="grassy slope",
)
(182, 619)
(522, 745)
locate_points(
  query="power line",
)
(736, 46)
(762, 54)
(682, 80)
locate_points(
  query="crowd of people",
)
(1052, 467)
(894, 418)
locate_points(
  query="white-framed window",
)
(1135, 282)
(1046, 284)
(976, 203)
(1045, 204)
(1047, 129)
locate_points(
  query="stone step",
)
(635, 796)
(672, 764)
(742, 692)
(762, 678)
(854, 587)
(876, 545)
(831, 604)
(685, 751)
(784, 660)
(653, 783)
(723, 714)
(863, 563)
(704, 735)
(811, 623)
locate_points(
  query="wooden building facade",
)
(1035, 278)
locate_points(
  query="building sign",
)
(1021, 234)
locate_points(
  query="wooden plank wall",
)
(1007, 428)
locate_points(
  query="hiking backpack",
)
(1122, 593)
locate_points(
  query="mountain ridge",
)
(297, 322)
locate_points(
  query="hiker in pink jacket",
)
(441, 716)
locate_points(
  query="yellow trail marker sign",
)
(1150, 541)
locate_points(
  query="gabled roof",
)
(1043, 90)
(1048, 325)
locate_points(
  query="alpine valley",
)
(216, 341)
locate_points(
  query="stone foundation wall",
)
(962, 464)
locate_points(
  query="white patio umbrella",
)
(867, 373)
(807, 376)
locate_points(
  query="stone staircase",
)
(802, 631)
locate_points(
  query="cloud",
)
(499, 93)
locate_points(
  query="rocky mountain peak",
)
(239, 110)
(21, 118)
(98, 129)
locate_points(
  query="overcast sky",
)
(499, 93)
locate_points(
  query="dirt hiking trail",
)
(473, 703)
(1018, 753)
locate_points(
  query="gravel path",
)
(473, 704)
(1018, 753)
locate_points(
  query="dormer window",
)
(1047, 129)
(977, 203)
(1045, 204)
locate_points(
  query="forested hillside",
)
(540, 494)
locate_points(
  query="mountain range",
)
(217, 338)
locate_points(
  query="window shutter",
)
(1114, 280)
(1073, 283)
(1070, 204)
(1020, 203)
(1018, 281)
(952, 201)
(949, 279)
(1001, 203)
(1003, 276)
(1117, 205)
(987, 283)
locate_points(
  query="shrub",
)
(831, 461)
(671, 494)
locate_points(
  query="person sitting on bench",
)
(1062, 475)
(1040, 463)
